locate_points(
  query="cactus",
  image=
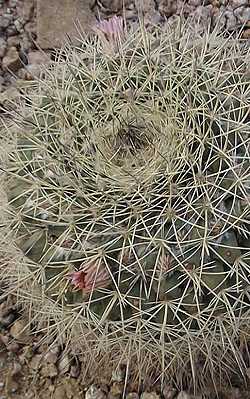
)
(128, 191)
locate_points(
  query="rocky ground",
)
(28, 368)
(30, 28)
(33, 369)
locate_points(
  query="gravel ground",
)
(20, 56)
(30, 368)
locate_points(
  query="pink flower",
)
(112, 29)
(92, 275)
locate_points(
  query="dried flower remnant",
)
(165, 263)
(91, 276)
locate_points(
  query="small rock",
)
(243, 15)
(13, 346)
(12, 62)
(239, 3)
(13, 41)
(20, 330)
(38, 58)
(1, 89)
(203, 14)
(7, 320)
(11, 386)
(168, 392)
(72, 389)
(94, 392)
(234, 393)
(11, 31)
(26, 44)
(30, 28)
(119, 374)
(56, 19)
(4, 339)
(231, 20)
(18, 25)
(132, 395)
(246, 34)
(36, 362)
(55, 349)
(26, 354)
(75, 371)
(51, 357)
(12, 3)
(4, 22)
(183, 395)
(167, 9)
(64, 364)
(3, 46)
(25, 10)
(149, 395)
(194, 3)
(17, 367)
(49, 370)
(59, 393)
(117, 389)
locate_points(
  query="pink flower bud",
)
(112, 29)
(91, 276)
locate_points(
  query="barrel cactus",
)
(128, 194)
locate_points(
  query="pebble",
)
(149, 395)
(3, 46)
(51, 357)
(231, 20)
(7, 320)
(13, 347)
(168, 392)
(183, 395)
(94, 392)
(55, 349)
(30, 28)
(37, 58)
(11, 386)
(59, 393)
(11, 60)
(132, 395)
(13, 41)
(246, 34)
(119, 373)
(25, 10)
(75, 370)
(11, 31)
(20, 331)
(18, 25)
(4, 22)
(36, 362)
(10, 94)
(13, 3)
(49, 370)
(117, 389)
(26, 355)
(239, 3)
(17, 367)
(243, 15)
(64, 364)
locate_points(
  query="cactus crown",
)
(129, 190)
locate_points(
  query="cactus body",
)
(130, 193)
